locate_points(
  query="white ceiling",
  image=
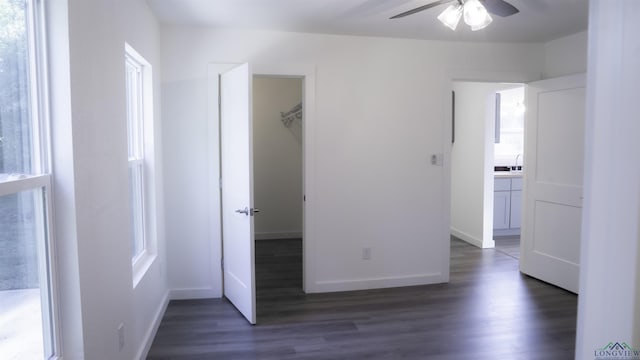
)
(538, 20)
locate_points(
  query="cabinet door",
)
(501, 209)
(516, 184)
(516, 209)
(502, 184)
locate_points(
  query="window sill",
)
(141, 266)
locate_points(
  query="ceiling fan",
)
(475, 12)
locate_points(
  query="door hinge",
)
(222, 263)
(219, 94)
(220, 183)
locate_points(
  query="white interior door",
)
(554, 152)
(237, 190)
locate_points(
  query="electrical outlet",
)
(121, 336)
(366, 253)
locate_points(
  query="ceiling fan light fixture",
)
(450, 17)
(476, 15)
(483, 24)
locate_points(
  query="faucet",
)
(515, 167)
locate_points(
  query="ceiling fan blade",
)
(499, 7)
(370, 8)
(422, 8)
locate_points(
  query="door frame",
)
(465, 76)
(486, 238)
(307, 73)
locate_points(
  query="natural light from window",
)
(26, 308)
(135, 131)
(511, 143)
(139, 98)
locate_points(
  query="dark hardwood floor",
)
(508, 245)
(487, 311)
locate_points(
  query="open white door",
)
(237, 190)
(554, 153)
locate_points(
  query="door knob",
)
(247, 211)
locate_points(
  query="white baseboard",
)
(472, 239)
(278, 235)
(187, 294)
(379, 283)
(153, 330)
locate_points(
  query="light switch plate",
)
(436, 159)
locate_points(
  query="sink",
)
(507, 168)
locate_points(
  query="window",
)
(140, 157)
(135, 128)
(511, 146)
(27, 311)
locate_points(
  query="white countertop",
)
(508, 174)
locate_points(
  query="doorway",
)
(508, 168)
(278, 117)
(551, 215)
(487, 164)
(231, 85)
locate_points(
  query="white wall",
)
(92, 183)
(382, 110)
(277, 158)
(472, 162)
(608, 309)
(565, 56)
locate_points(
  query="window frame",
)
(40, 178)
(135, 151)
(140, 157)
